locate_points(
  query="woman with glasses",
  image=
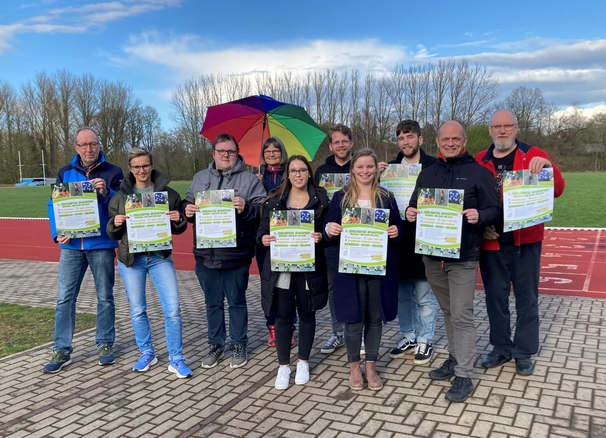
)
(285, 292)
(143, 180)
(363, 301)
(271, 173)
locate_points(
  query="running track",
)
(573, 261)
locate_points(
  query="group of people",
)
(360, 304)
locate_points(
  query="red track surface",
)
(573, 261)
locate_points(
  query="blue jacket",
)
(75, 172)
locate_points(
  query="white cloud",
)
(69, 19)
(188, 56)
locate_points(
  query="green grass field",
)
(24, 327)
(580, 205)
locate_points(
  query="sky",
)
(155, 45)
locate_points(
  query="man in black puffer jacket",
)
(453, 280)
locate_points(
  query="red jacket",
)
(523, 154)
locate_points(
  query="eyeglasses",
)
(341, 143)
(92, 145)
(228, 152)
(272, 152)
(298, 171)
(137, 169)
(499, 127)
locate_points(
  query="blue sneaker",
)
(57, 362)
(106, 355)
(180, 369)
(145, 361)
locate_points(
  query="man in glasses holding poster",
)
(77, 254)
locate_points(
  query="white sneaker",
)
(282, 380)
(302, 376)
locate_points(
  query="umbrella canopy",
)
(253, 119)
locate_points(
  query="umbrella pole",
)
(262, 138)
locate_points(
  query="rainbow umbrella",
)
(253, 119)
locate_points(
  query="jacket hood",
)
(238, 167)
(422, 158)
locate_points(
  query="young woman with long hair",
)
(363, 301)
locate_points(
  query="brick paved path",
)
(566, 397)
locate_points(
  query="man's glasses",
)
(340, 143)
(92, 145)
(137, 169)
(499, 127)
(227, 152)
(297, 171)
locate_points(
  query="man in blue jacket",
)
(77, 254)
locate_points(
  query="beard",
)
(504, 145)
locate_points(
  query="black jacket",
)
(463, 172)
(116, 206)
(331, 166)
(316, 280)
(411, 264)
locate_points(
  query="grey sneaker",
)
(211, 359)
(334, 342)
(402, 347)
(238, 357)
(106, 355)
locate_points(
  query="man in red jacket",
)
(512, 258)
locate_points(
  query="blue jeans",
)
(518, 266)
(417, 310)
(72, 267)
(162, 273)
(219, 284)
(332, 258)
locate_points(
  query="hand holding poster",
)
(216, 220)
(363, 247)
(333, 182)
(527, 198)
(76, 209)
(400, 179)
(147, 223)
(440, 223)
(294, 247)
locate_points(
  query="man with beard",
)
(417, 305)
(512, 258)
(341, 146)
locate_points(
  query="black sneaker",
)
(212, 357)
(460, 390)
(446, 371)
(423, 353)
(402, 347)
(106, 355)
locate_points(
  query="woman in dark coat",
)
(364, 302)
(285, 292)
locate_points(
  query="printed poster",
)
(333, 182)
(76, 209)
(294, 248)
(216, 219)
(440, 223)
(400, 179)
(147, 225)
(527, 198)
(363, 248)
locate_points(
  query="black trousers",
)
(286, 302)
